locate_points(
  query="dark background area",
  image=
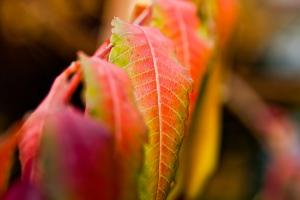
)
(27, 72)
(36, 46)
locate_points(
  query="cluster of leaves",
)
(140, 95)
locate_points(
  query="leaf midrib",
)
(154, 61)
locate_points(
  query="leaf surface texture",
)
(161, 89)
(178, 20)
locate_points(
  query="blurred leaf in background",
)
(205, 134)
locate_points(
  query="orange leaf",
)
(226, 17)
(161, 88)
(178, 21)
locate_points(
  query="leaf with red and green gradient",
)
(161, 89)
(76, 158)
(109, 99)
(177, 19)
(8, 144)
(31, 131)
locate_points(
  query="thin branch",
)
(142, 18)
(75, 72)
(139, 20)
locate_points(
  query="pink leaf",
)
(31, 132)
(77, 159)
(109, 99)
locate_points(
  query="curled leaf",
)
(109, 99)
(161, 89)
(31, 131)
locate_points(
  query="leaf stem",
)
(74, 69)
(75, 72)
(140, 20)
(105, 51)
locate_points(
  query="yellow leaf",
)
(205, 138)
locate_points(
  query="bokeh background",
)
(38, 39)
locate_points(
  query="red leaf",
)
(178, 20)
(31, 132)
(23, 190)
(161, 88)
(77, 159)
(109, 98)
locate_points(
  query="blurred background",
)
(38, 39)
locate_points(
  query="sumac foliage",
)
(140, 92)
(161, 88)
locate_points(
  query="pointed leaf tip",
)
(31, 131)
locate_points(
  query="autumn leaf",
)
(76, 158)
(161, 89)
(31, 131)
(109, 99)
(179, 182)
(8, 144)
(178, 21)
(204, 139)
